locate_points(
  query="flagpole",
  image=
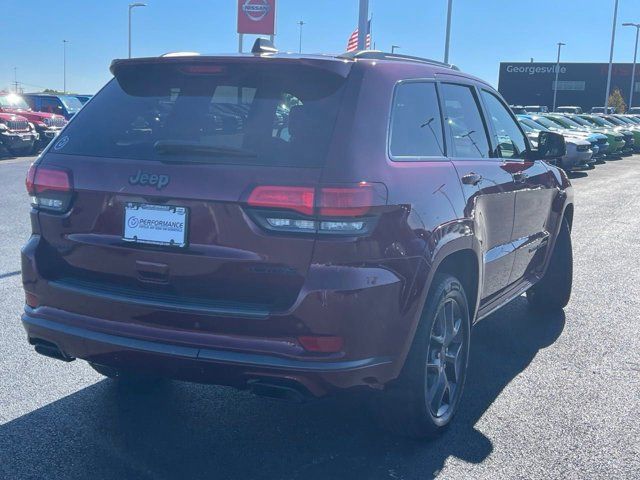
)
(363, 19)
(448, 33)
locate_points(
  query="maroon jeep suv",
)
(293, 225)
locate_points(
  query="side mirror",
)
(551, 145)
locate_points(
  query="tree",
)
(616, 101)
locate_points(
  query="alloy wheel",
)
(446, 359)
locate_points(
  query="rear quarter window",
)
(416, 123)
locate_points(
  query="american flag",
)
(352, 43)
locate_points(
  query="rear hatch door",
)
(178, 141)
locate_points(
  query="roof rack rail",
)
(380, 55)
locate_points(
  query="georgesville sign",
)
(257, 16)
(534, 69)
(581, 84)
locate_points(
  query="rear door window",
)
(464, 121)
(416, 126)
(280, 115)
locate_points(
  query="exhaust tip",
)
(49, 349)
(289, 391)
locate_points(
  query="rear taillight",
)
(330, 210)
(49, 188)
(346, 202)
(298, 199)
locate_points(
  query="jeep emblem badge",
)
(151, 179)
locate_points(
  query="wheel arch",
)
(461, 258)
(465, 266)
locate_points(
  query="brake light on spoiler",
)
(344, 209)
(49, 188)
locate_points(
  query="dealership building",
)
(580, 84)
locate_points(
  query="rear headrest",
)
(300, 122)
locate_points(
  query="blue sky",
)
(484, 32)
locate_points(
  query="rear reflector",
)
(321, 344)
(31, 299)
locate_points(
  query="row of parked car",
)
(590, 137)
(568, 109)
(30, 121)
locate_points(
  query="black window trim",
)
(492, 143)
(412, 158)
(483, 118)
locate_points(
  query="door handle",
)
(520, 177)
(472, 178)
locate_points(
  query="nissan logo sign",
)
(256, 10)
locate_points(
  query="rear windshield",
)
(280, 115)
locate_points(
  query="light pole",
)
(131, 7)
(448, 34)
(393, 48)
(300, 23)
(64, 65)
(635, 54)
(613, 39)
(555, 85)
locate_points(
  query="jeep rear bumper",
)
(205, 365)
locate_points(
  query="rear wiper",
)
(179, 146)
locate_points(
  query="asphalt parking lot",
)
(547, 397)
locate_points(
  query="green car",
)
(593, 136)
(616, 140)
(600, 121)
(627, 125)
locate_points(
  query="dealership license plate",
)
(155, 224)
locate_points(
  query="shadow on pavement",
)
(10, 274)
(573, 175)
(199, 431)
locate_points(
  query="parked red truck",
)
(17, 135)
(47, 125)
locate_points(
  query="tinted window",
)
(509, 139)
(416, 128)
(462, 116)
(50, 105)
(281, 115)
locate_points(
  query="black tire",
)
(553, 291)
(406, 407)
(129, 380)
